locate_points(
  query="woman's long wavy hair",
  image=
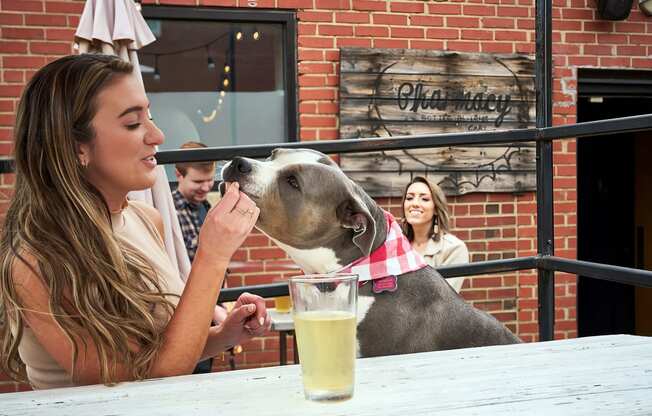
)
(98, 284)
(441, 217)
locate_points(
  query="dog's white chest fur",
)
(314, 260)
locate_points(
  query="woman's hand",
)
(247, 319)
(226, 226)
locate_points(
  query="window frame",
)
(289, 23)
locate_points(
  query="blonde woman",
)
(87, 294)
(426, 225)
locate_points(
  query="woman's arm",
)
(186, 334)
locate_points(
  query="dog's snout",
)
(241, 165)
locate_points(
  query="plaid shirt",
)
(396, 256)
(188, 215)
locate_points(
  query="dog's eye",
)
(292, 180)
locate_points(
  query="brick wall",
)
(494, 225)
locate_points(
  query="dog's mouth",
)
(222, 189)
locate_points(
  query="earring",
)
(436, 225)
(83, 162)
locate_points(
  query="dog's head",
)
(309, 207)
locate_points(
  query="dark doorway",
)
(612, 205)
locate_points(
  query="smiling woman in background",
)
(426, 226)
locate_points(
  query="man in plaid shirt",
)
(190, 198)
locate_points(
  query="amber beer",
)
(282, 304)
(324, 309)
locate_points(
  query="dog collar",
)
(395, 257)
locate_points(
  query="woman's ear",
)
(84, 154)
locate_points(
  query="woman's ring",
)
(247, 211)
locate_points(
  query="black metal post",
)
(545, 206)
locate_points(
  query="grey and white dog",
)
(325, 221)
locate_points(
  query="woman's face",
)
(419, 208)
(120, 158)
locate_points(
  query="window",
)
(221, 77)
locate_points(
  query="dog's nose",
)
(241, 165)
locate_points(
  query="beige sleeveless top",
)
(132, 225)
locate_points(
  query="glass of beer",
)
(324, 313)
(282, 304)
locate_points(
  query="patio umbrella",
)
(116, 27)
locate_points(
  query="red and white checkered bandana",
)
(393, 258)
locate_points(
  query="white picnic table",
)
(607, 375)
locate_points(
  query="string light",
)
(226, 82)
(255, 35)
(227, 68)
(222, 93)
(238, 35)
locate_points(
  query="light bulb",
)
(238, 35)
(256, 35)
(222, 93)
(220, 101)
(225, 82)
(227, 68)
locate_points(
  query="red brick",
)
(462, 21)
(391, 43)
(404, 7)
(266, 253)
(45, 20)
(308, 134)
(426, 44)
(312, 121)
(580, 37)
(9, 19)
(497, 47)
(426, 21)
(328, 108)
(373, 31)
(13, 47)
(51, 48)
(312, 81)
(407, 32)
(463, 46)
(628, 27)
(306, 94)
(351, 17)
(444, 8)
(7, 105)
(443, 33)
(333, 4)
(477, 34)
(59, 34)
(315, 42)
(369, 5)
(329, 134)
(515, 11)
(598, 50)
(515, 35)
(631, 50)
(22, 5)
(224, 3)
(256, 241)
(22, 33)
(477, 10)
(352, 42)
(307, 29)
(490, 22)
(310, 55)
(315, 16)
(64, 7)
(23, 61)
(315, 68)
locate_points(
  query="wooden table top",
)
(608, 375)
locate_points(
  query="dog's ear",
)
(354, 214)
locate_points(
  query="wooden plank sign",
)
(397, 92)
